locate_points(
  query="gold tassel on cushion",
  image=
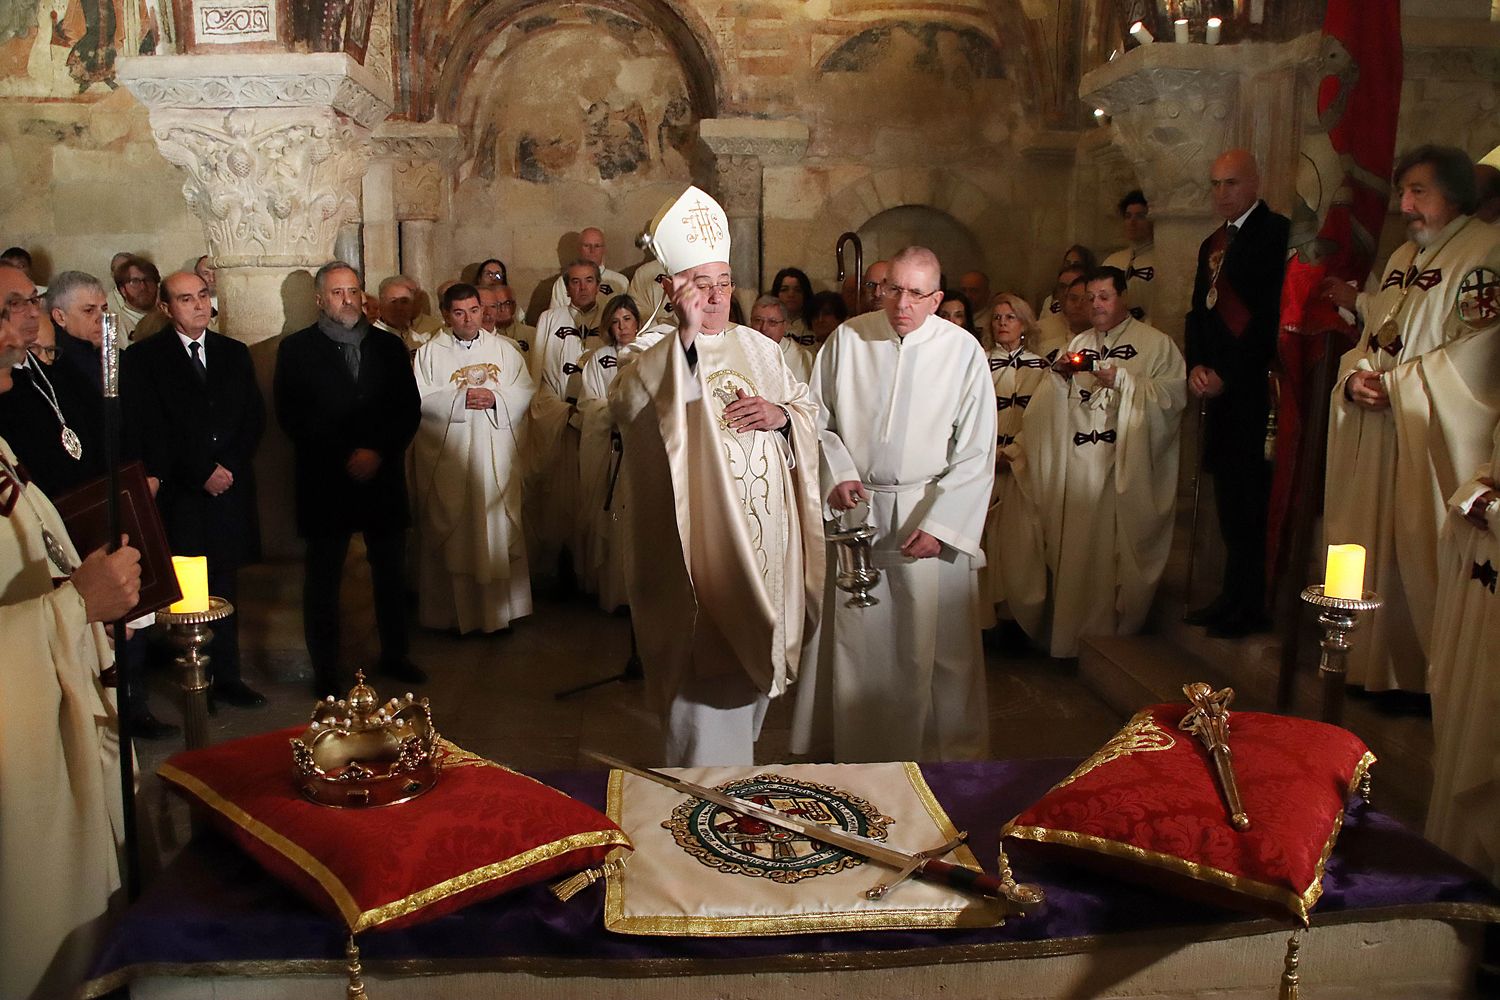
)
(356, 989)
(574, 884)
(1290, 984)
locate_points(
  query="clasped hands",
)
(918, 545)
(1205, 382)
(1366, 389)
(1478, 513)
(479, 399)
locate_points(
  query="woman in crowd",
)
(795, 291)
(1014, 583)
(828, 311)
(602, 562)
(955, 309)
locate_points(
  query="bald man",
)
(976, 288)
(591, 249)
(1231, 341)
(869, 286)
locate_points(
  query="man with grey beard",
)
(346, 397)
(1414, 406)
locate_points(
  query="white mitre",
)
(689, 230)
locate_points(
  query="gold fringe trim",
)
(1300, 904)
(361, 920)
(573, 885)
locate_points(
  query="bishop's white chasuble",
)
(913, 419)
(1013, 583)
(60, 812)
(726, 553)
(473, 572)
(1464, 817)
(1431, 329)
(1104, 462)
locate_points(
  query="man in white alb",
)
(768, 318)
(726, 546)
(906, 413)
(1103, 449)
(1413, 407)
(475, 391)
(591, 249)
(1138, 258)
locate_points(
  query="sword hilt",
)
(1020, 896)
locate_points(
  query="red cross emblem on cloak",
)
(1479, 298)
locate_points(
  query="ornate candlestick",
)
(189, 632)
(1339, 617)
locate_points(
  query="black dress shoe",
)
(404, 670)
(238, 693)
(1210, 614)
(146, 726)
(1238, 626)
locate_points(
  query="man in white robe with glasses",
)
(721, 459)
(906, 412)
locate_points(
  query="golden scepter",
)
(1209, 721)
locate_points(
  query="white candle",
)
(1211, 36)
(1141, 34)
(1344, 576)
(1180, 31)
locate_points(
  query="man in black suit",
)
(346, 397)
(1231, 340)
(195, 409)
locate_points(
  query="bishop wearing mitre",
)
(721, 458)
(1103, 449)
(475, 390)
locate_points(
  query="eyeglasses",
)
(45, 354)
(898, 293)
(139, 281)
(709, 287)
(34, 302)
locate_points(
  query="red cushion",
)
(482, 830)
(1150, 803)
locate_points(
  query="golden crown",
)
(358, 752)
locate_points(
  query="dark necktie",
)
(196, 349)
(1232, 229)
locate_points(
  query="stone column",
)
(742, 149)
(273, 146)
(407, 191)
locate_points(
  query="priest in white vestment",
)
(1102, 447)
(1013, 583)
(60, 812)
(906, 411)
(1464, 816)
(499, 302)
(648, 287)
(1412, 410)
(563, 335)
(769, 319)
(1055, 330)
(1138, 257)
(726, 542)
(600, 457)
(475, 389)
(590, 248)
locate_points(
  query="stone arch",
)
(459, 42)
(861, 201)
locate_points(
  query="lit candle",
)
(1345, 576)
(1211, 36)
(192, 578)
(1180, 31)
(1141, 33)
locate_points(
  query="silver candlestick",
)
(1339, 616)
(189, 632)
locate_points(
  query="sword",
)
(1018, 897)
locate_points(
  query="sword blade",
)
(855, 844)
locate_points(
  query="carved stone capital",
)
(773, 142)
(273, 146)
(283, 80)
(1451, 88)
(1171, 117)
(737, 180)
(436, 142)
